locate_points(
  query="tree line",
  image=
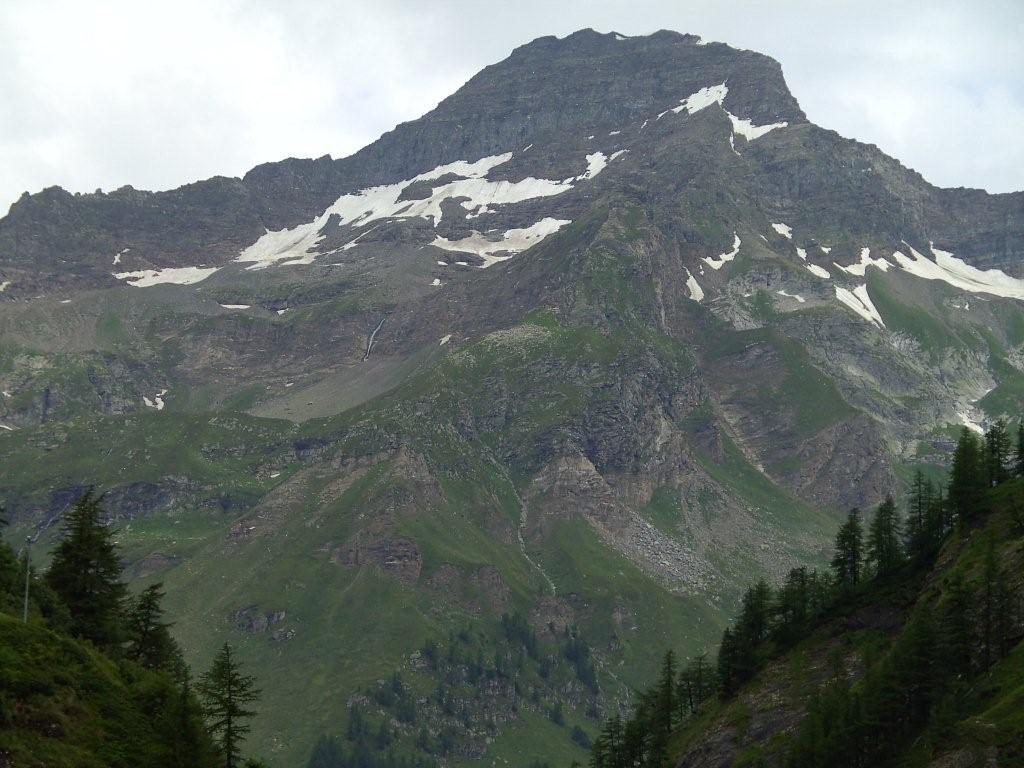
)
(850, 725)
(82, 595)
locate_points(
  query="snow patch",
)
(444, 340)
(144, 278)
(719, 261)
(801, 253)
(119, 254)
(696, 292)
(512, 241)
(748, 130)
(437, 281)
(800, 299)
(236, 306)
(297, 245)
(614, 133)
(4, 426)
(3, 285)
(826, 249)
(958, 273)
(866, 261)
(695, 102)
(817, 271)
(617, 153)
(859, 301)
(157, 401)
(784, 229)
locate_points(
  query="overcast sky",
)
(106, 93)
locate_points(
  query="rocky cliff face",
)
(614, 324)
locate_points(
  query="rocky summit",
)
(610, 333)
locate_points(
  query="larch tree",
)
(227, 694)
(85, 573)
(847, 562)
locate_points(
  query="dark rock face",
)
(398, 556)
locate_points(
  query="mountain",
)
(611, 332)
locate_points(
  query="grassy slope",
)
(780, 691)
(64, 704)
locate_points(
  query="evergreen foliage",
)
(85, 573)
(226, 693)
(916, 684)
(848, 560)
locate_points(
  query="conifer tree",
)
(967, 477)
(226, 694)
(955, 627)
(997, 453)
(1018, 456)
(694, 684)
(85, 574)
(149, 639)
(883, 542)
(920, 535)
(995, 609)
(848, 558)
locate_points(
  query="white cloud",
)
(156, 95)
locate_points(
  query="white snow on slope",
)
(695, 102)
(826, 249)
(719, 261)
(157, 401)
(802, 253)
(119, 254)
(715, 94)
(817, 271)
(512, 241)
(236, 306)
(958, 273)
(800, 299)
(696, 292)
(596, 162)
(859, 301)
(617, 153)
(144, 278)
(4, 426)
(748, 130)
(297, 245)
(445, 339)
(860, 267)
(3, 285)
(784, 229)
(614, 133)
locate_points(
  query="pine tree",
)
(956, 638)
(920, 535)
(883, 542)
(997, 453)
(1018, 456)
(848, 558)
(694, 684)
(149, 639)
(85, 574)
(967, 477)
(792, 607)
(226, 694)
(327, 753)
(996, 609)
